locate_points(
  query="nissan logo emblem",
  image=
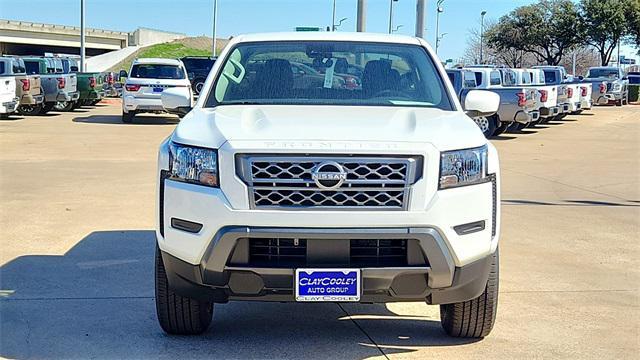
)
(329, 175)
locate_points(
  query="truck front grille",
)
(277, 252)
(378, 252)
(293, 253)
(366, 182)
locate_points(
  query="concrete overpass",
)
(28, 38)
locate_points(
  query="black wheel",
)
(30, 110)
(178, 314)
(127, 118)
(198, 84)
(4, 116)
(78, 104)
(619, 102)
(577, 112)
(46, 107)
(501, 128)
(474, 318)
(94, 102)
(487, 124)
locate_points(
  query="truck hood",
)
(212, 127)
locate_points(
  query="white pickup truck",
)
(547, 94)
(8, 97)
(518, 104)
(271, 189)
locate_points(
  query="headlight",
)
(193, 164)
(463, 167)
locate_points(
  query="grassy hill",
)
(193, 46)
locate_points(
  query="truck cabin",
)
(513, 77)
(486, 77)
(537, 76)
(462, 79)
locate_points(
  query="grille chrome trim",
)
(372, 183)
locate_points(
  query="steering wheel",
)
(391, 93)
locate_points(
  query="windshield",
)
(329, 73)
(157, 71)
(33, 67)
(603, 73)
(198, 64)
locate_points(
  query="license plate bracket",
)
(328, 285)
(157, 89)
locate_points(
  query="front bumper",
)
(28, 99)
(8, 106)
(438, 281)
(68, 96)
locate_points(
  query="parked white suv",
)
(146, 81)
(275, 188)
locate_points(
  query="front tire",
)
(487, 125)
(177, 314)
(474, 318)
(65, 105)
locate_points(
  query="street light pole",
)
(215, 25)
(439, 10)
(438, 41)
(391, 15)
(420, 5)
(333, 18)
(82, 38)
(482, 14)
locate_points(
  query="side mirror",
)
(481, 103)
(123, 74)
(177, 100)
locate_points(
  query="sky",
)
(194, 17)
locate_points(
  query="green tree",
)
(546, 29)
(633, 22)
(605, 23)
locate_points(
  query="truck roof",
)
(159, 61)
(326, 36)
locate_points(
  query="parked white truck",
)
(518, 106)
(9, 100)
(272, 191)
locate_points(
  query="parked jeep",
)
(271, 192)
(148, 78)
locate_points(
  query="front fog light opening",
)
(463, 167)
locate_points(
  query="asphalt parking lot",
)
(77, 242)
